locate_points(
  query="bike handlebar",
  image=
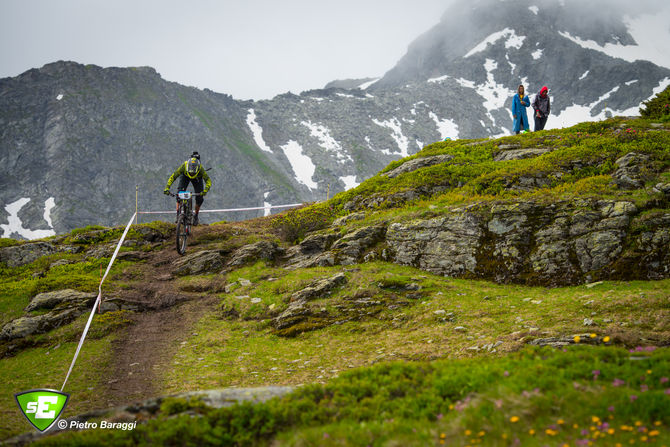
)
(171, 194)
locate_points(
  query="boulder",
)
(628, 174)
(350, 248)
(61, 299)
(419, 163)
(38, 324)
(266, 250)
(198, 263)
(519, 154)
(19, 255)
(319, 289)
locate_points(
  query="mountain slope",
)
(77, 139)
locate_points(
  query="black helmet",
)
(195, 155)
(192, 166)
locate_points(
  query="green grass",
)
(45, 367)
(537, 396)
(241, 348)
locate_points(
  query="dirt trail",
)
(145, 347)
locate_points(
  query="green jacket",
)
(181, 170)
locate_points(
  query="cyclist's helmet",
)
(196, 155)
(192, 166)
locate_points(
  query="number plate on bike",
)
(184, 195)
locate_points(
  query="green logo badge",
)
(42, 407)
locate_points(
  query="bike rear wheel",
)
(182, 234)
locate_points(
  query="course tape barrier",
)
(97, 300)
(228, 210)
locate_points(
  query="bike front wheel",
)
(182, 234)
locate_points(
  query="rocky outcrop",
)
(299, 310)
(628, 174)
(519, 154)
(19, 255)
(266, 250)
(198, 263)
(63, 305)
(60, 299)
(418, 163)
(560, 244)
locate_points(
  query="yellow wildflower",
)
(514, 419)
(468, 432)
(576, 339)
(654, 433)
(560, 422)
(531, 432)
(606, 339)
(593, 335)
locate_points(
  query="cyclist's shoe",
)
(195, 220)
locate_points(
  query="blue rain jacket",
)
(519, 110)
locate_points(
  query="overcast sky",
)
(251, 49)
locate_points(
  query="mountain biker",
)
(191, 171)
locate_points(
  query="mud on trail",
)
(165, 314)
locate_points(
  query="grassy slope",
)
(410, 401)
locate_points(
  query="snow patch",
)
(537, 54)
(631, 82)
(267, 206)
(257, 131)
(447, 128)
(585, 74)
(302, 165)
(438, 79)
(534, 9)
(59, 97)
(396, 134)
(367, 84)
(513, 41)
(420, 144)
(326, 141)
(349, 182)
(649, 31)
(344, 95)
(14, 224)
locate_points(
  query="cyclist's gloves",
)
(166, 192)
(204, 193)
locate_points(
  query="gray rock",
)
(627, 176)
(19, 255)
(266, 250)
(350, 248)
(419, 163)
(61, 298)
(208, 261)
(32, 325)
(518, 154)
(319, 289)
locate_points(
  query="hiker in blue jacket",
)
(519, 105)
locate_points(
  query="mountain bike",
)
(185, 218)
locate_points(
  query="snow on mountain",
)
(15, 226)
(349, 181)
(513, 41)
(257, 131)
(302, 165)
